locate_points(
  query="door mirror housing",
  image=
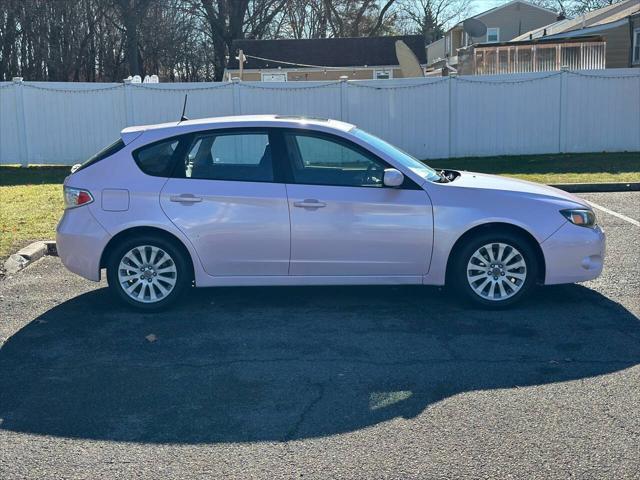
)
(392, 177)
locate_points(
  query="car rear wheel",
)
(147, 273)
(495, 270)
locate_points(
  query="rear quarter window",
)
(157, 158)
(107, 151)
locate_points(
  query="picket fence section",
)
(545, 112)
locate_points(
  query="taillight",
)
(75, 197)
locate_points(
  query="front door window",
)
(318, 160)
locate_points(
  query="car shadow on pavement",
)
(276, 364)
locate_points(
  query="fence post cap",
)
(127, 80)
(235, 79)
(344, 78)
(564, 68)
(17, 79)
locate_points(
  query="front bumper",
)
(573, 254)
(80, 241)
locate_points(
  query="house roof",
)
(585, 37)
(325, 52)
(500, 7)
(606, 16)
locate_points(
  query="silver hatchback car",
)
(276, 200)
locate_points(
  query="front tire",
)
(495, 270)
(147, 273)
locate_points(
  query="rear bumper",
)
(573, 254)
(80, 241)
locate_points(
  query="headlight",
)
(580, 216)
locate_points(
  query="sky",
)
(479, 6)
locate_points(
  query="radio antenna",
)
(184, 110)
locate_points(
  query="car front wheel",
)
(495, 270)
(147, 273)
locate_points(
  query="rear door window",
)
(236, 156)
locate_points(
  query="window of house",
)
(382, 74)
(323, 160)
(274, 77)
(447, 45)
(636, 46)
(493, 34)
(242, 157)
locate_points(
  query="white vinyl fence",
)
(546, 112)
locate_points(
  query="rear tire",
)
(147, 272)
(495, 270)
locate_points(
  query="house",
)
(538, 55)
(503, 23)
(321, 58)
(605, 38)
(435, 52)
(617, 24)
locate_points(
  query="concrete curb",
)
(28, 255)
(597, 187)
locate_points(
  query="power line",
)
(304, 64)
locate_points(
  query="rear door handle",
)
(310, 203)
(185, 198)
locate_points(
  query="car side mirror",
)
(392, 177)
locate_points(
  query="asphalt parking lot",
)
(358, 382)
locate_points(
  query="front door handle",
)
(310, 203)
(185, 198)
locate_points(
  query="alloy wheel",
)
(147, 274)
(496, 271)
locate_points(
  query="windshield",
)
(412, 163)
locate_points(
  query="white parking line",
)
(615, 214)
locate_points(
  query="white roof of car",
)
(242, 120)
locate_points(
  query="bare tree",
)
(8, 38)
(302, 19)
(432, 17)
(132, 13)
(106, 40)
(355, 18)
(229, 20)
(583, 6)
(572, 8)
(337, 18)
